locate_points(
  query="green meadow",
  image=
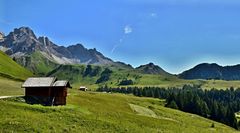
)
(98, 112)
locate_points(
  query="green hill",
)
(80, 76)
(10, 69)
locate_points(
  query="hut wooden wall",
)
(46, 95)
(60, 94)
(37, 92)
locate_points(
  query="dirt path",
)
(3, 97)
(148, 112)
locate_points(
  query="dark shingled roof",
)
(39, 82)
(45, 82)
(62, 83)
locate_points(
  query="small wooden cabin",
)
(83, 88)
(46, 91)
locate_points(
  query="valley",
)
(24, 55)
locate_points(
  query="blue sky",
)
(175, 34)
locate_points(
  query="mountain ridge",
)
(23, 45)
(212, 71)
(22, 41)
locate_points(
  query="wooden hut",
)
(46, 91)
(83, 88)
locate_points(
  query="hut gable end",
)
(62, 83)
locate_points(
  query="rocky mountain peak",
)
(22, 41)
(23, 31)
(149, 65)
(151, 68)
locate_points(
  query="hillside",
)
(98, 112)
(80, 76)
(212, 71)
(10, 69)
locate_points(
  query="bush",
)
(126, 82)
(105, 75)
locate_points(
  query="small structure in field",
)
(46, 91)
(83, 88)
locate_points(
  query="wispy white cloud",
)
(153, 15)
(128, 29)
(181, 2)
(5, 22)
(116, 45)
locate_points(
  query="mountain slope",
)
(212, 71)
(38, 63)
(23, 44)
(10, 69)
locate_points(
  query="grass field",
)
(99, 112)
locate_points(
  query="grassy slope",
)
(100, 112)
(96, 112)
(10, 69)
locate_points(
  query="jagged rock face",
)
(1, 36)
(23, 41)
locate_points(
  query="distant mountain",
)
(212, 71)
(151, 69)
(23, 41)
(23, 45)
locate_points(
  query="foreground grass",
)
(10, 87)
(99, 112)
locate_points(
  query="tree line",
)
(218, 105)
